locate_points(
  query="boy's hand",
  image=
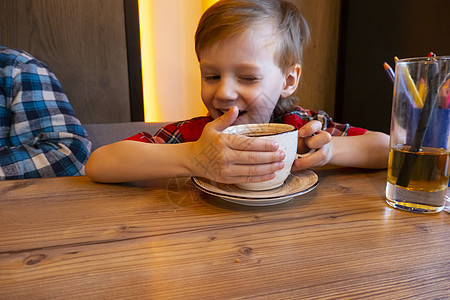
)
(310, 136)
(230, 158)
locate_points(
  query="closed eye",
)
(211, 77)
(248, 79)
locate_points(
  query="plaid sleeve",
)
(174, 133)
(301, 116)
(39, 134)
(145, 137)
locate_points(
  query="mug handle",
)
(306, 154)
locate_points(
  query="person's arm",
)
(39, 134)
(216, 156)
(370, 150)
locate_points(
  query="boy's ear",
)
(291, 81)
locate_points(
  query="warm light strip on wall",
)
(152, 112)
(166, 56)
(207, 3)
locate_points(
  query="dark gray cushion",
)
(104, 134)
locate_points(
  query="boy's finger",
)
(245, 143)
(225, 120)
(319, 158)
(256, 158)
(318, 140)
(310, 128)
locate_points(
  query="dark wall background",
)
(373, 32)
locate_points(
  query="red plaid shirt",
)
(191, 130)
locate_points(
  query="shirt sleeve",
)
(301, 116)
(39, 134)
(174, 133)
(145, 137)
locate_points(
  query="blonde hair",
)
(227, 18)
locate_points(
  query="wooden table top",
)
(71, 238)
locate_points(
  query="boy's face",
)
(241, 71)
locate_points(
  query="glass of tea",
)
(418, 168)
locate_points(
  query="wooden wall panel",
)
(318, 80)
(84, 44)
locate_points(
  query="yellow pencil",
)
(422, 89)
(410, 85)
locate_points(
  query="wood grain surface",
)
(70, 238)
(317, 88)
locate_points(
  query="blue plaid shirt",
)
(39, 134)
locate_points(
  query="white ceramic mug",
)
(287, 138)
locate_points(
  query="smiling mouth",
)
(223, 111)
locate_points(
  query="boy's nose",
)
(227, 90)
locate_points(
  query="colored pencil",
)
(422, 88)
(406, 169)
(444, 94)
(410, 85)
(389, 71)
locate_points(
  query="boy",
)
(250, 55)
